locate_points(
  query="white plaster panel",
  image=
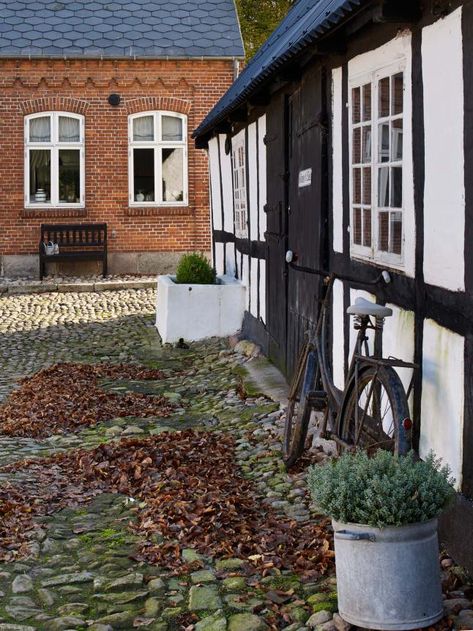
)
(354, 294)
(444, 193)
(215, 185)
(227, 187)
(337, 162)
(254, 288)
(219, 262)
(399, 341)
(262, 290)
(245, 278)
(338, 348)
(396, 51)
(443, 396)
(253, 182)
(230, 259)
(262, 175)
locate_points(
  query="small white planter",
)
(195, 312)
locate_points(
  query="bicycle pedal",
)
(317, 399)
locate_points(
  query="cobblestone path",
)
(80, 574)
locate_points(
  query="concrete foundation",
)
(148, 263)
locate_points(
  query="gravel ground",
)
(80, 574)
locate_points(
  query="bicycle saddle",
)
(364, 307)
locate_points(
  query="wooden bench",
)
(77, 242)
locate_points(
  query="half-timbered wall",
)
(235, 253)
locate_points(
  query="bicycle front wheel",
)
(374, 412)
(299, 409)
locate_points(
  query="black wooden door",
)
(306, 194)
(276, 235)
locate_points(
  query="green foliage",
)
(383, 490)
(195, 269)
(258, 19)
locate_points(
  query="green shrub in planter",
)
(383, 490)
(194, 269)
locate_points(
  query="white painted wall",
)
(262, 290)
(219, 262)
(245, 278)
(443, 396)
(254, 288)
(215, 185)
(337, 159)
(354, 294)
(338, 348)
(227, 186)
(262, 175)
(444, 194)
(399, 341)
(230, 259)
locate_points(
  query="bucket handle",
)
(346, 535)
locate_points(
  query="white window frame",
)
(54, 146)
(157, 145)
(372, 253)
(240, 191)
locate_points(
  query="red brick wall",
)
(82, 86)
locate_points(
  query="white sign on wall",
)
(305, 178)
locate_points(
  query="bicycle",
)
(372, 410)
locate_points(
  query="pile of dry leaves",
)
(65, 397)
(195, 497)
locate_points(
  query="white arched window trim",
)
(54, 145)
(158, 145)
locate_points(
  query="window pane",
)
(173, 175)
(383, 142)
(40, 129)
(397, 137)
(367, 227)
(366, 144)
(356, 105)
(383, 237)
(367, 186)
(396, 233)
(171, 128)
(356, 146)
(398, 94)
(69, 129)
(69, 176)
(357, 226)
(357, 186)
(143, 175)
(143, 128)
(383, 88)
(367, 102)
(383, 187)
(396, 187)
(40, 175)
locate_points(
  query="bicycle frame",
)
(318, 348)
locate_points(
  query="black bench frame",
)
(85, 242)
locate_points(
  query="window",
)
(54, 159)
(158, 159)
(239, 188)
(377, 125)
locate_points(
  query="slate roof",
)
(119, 28)
(306, 22)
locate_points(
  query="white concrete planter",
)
(194, 312)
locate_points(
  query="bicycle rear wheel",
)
(299, 408)
(374, 412)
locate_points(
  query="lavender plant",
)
(382, 490)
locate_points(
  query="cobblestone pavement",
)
(80, 574)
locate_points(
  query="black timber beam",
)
(239, 115)
(397, 11)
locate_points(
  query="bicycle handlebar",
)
(384, 276)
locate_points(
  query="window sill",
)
(158, 211)
(35, 211)
(394, 262)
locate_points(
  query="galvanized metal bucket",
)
(388, 578)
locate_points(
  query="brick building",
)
(97, 104)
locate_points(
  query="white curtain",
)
(172, 128)
(69, 129)
(143, 128)
(40, 129)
